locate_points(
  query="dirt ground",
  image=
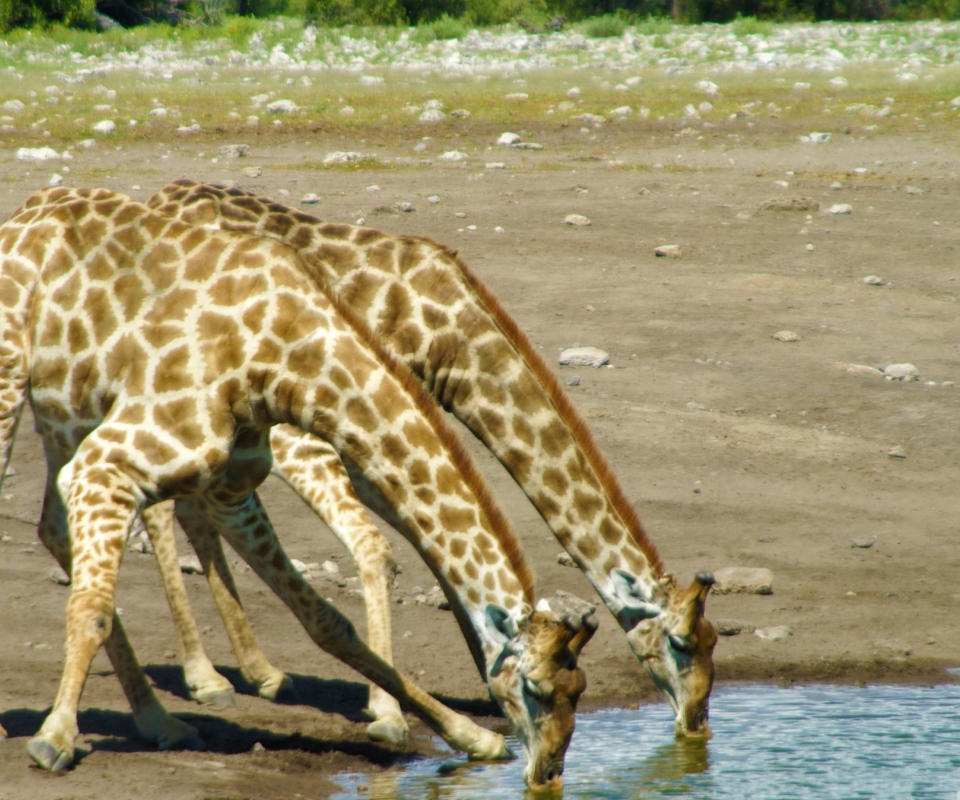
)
(738, 449)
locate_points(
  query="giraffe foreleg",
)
(101, 503)
(204, 683)
(314, 470)
(248, 529)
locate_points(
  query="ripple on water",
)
(813, 742)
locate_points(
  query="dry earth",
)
(738, 449)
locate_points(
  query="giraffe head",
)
(537, 682)
(675, 644)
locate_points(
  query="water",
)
(769, 742)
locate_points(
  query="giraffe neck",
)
(445, 325)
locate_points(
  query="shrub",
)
(605, 27)
(27, 13)
(445, 27)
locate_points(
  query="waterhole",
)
(768, 742)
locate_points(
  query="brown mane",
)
(570, 416)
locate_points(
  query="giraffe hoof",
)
(190, 741)
(388, 730)
(48, 755)
(225, 698)
(284, 692)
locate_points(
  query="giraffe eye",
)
(542, 690)
(680, 644)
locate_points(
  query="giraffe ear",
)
(636, 601)
(501, 627)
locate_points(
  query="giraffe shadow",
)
(346, 698)
(221, 736)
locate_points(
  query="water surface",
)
(769, 742)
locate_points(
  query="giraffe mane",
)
(459, 457)
(568, 413)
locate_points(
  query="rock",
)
(310, 199)
(453, 155)
(191, 565)
(58, 576)
(527, 146)
(564, 603)
(571, 381)
(104, 126)
(577, 220)
(775, 633)
(621, 111)
(816, 137)
(790, 204)
(257, 748)
(709, 88)
(643, 191)
(564, 559)
(859, 369)
(589, 119)
(86, 144)
(495, 165)
(188, 129)
(14, 106)
(508, 138)
(298, 565)
(343, 157)
(901, 372)
(838, 83)
(836, 186)
(330, 567)
(460, 113)
(30, 154)
(282, 107)
(156, 113)
(732, 627)
(786, 336)
(584, 357)
(872, 280)
(515, 97)
(743, 580)
(955, 103)
(234, 150)
(840, 208)
(897, 452)
(432, 115)
(253, 172)
(574, 91)
(668, 251)
(913, 190)
(370, 80)
(863, 542)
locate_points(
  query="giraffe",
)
(157, 356)
(432, 313)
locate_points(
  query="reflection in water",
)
(808, 743)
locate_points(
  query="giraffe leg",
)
(91, 621)
(271, 683)
(247, 528)
(204, 683)
(313, 469)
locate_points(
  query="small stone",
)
(282, 107)
(234, 150)
(786, 336)
(872, 280)
(527, 146)
(836, 186)
(643, 191)
(508, 138)
(863, 542)
(169, 654)
(668, 251)
(405, 207)
(743, 580)
(809, 248)
(732, 627)
(298, 565)
(453, 155)
(104, 126)
(515, 97)
(897, 452)
(564, 559)
(460, 113)
(253, 172)
(310, 198)
(14, 106)
(577, 220)
(567, 603)
(901, 372)
(37, 154)
(790, 204)
(460, 215)
(913, 190)
(840, 208)
(859, 369)
(498, 229)
(775, 633)
(433, 199)
(584, 357)
(59, 576)
(572, 381)
(838, 83)
(495, 165)
(342, 157)
(55, 180)
(188, 129)
(257, 748)
(330, 567)
(191, 565)
(432, 115)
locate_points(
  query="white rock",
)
(817, 137)
(343, 157)
(621, 111)
(433, 104)
(574, 92)
(157, 112)
(37, 154)
(517, 96)
(59, 576)
(432, 115)
(584, 357)
(840, 208)
(191, 565)
(498, 229)
(370, 80)
(310, 198)
(188, 130)
(104, 126)
(234, 150)
(913, 190)
(901, 372)
(801, 86)
(668, 251)
(836, 186)
(55, 180)
(955, 102)
(508, 138)
(405, 206)
(872, 280)
(253, 172)
(86, 144)
(564, 559)
(282, 107)
(786, 336)
(838, 83)
(774, 633)
(433, 199)
(897, 452)
(743, 580)
(13, 106)
(527, 146)
(576, 219)
(859, 369)
(347, 111)
(453, 155)
(495, 165)
(709, 88)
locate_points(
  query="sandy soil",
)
(738, 449)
